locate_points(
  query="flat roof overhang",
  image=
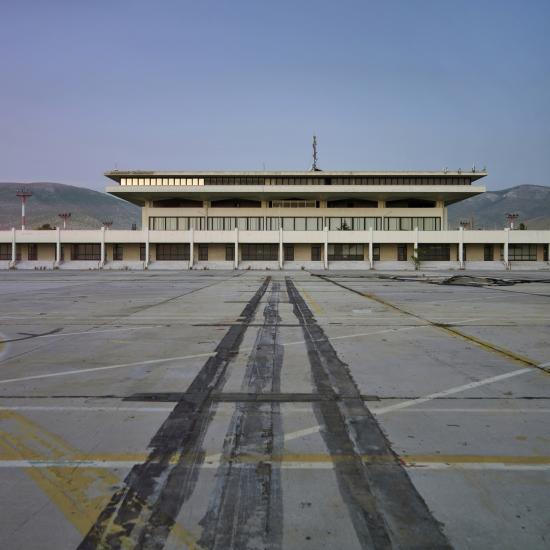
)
(449, 193)
(116, 175)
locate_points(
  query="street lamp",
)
(511, 217)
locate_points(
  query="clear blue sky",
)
(203, 84)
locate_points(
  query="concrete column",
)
(461, 247)
(325, 257)
(371, 247)
(13, 247)
(57, 246)
(506, 241)
(280, 248)
(415, 245)
(236, 258)
(147, 255)
(102, 260)
(192, 248)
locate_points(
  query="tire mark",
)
(245, 510)
(385, 508)
(142, 513)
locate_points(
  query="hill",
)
(531, 202)
(88, 208)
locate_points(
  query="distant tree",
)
(522, 226)
(45, 227)
(344, 227)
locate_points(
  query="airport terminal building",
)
(284, 220)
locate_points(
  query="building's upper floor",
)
(446, 187)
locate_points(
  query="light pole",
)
(65, 216)
(107, 224)
(23, 194)
(511, 217)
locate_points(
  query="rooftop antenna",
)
(23, 194)
(314, 167)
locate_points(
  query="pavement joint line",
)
(180, 358)
(411, 402)
(525, 361)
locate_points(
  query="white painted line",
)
(46, 408)
(497, 411)
(477, 466)
(451, 391)
(181, 358)
(94, 331)
(411, 402)
(108, 367)
(290, 465)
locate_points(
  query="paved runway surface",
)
(273, 410)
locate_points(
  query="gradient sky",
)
(243, 84)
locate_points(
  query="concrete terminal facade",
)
(290, 220)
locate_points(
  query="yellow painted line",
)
(80, 493)
(487, 346)
(288, 458)
(317, 308)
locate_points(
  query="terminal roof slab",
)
(449, 192)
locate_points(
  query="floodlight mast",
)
(65, 216)
(107, 224)
(511, 217)
(23, 194)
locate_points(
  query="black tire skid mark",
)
(246, 505)
(385, 508)
(144, 509)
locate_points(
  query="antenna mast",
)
(314, 167)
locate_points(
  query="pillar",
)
(461, 247)
(102, 260)
(13, 247)
(147, 255)
(236, 258)
(57, 246)
(371, 247)
(506, 241)
(191, 247)
(325, 257)
(280, 248)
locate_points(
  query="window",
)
(401, 252)
(227, 224)
(173, 251)
(229, 252)
(32, 252)
(545, 252)
(434, 252)
(5, 251)
(522, 252)
(315, 252)
(408, 224)
(260, 252)
(293, 203)
(157, 223)
(288, 252)
(117, 252)
(86, 252)
(142, 252)
(353, 224)
(294, 224)
(345, 252)
(203, 252)
(375, 252)
(488, 252)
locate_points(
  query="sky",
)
(87, 86)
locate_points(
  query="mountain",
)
(88, 208)
(531, 202)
